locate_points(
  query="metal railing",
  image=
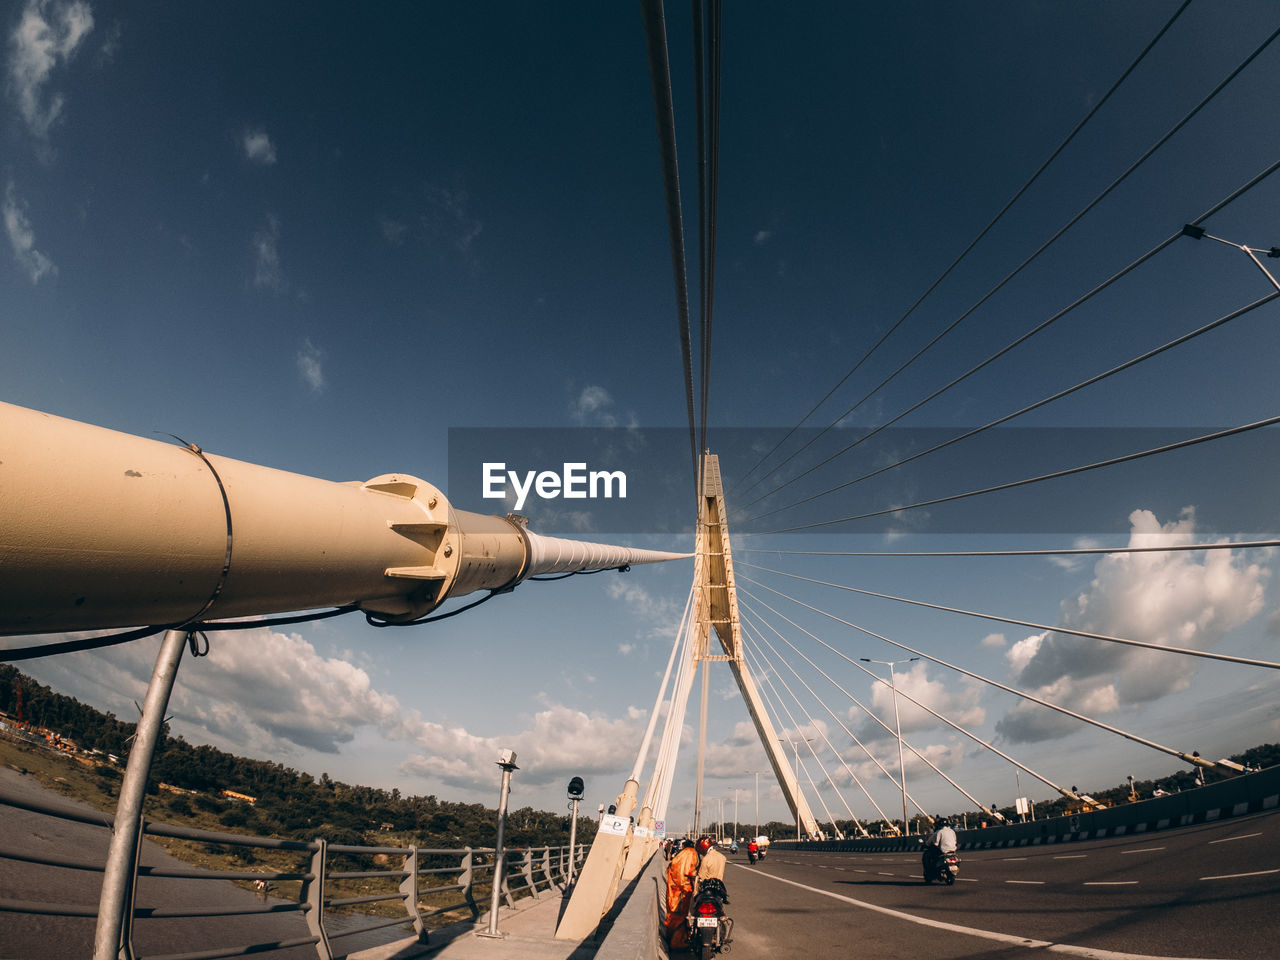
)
(428, 888)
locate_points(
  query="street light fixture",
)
(902, 765)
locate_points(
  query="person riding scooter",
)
(938, 844)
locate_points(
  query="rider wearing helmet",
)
(939, 843)
(713, 861)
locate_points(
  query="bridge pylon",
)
(717, 614)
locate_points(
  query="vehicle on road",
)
(943, 867)
(710, 930)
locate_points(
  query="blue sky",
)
(318, 243)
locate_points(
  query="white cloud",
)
(311, 365)
(258, 147)
(762, 237)
(994, 640)
(48, 34)
(956, 699)
(23, 239)
(560, 742)
(267, 271)
(625, 648)
(1182, 598)
(593, 406)
(661, 615)
(257, 693)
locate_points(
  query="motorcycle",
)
(710, 931)
(943, 867)
(752, 855)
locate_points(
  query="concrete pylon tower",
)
(718, 606)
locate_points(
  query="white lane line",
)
(1243, 836)
(1010, 859)
(1143, 850)
(1028, 883)
(1072, 856)
(1232, 876)
(1091, 953)
(1110, 883)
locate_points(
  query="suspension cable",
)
(1070, 223)
(967, 250)
(1184, 651)
(1029, 697)
(930, 710)
(1074, 551)
(921, 756)
(655, 32)
(1113, 461)
(1178, 341)
(759, 655)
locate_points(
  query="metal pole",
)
(573, 839)
(507, 763)
(757, 803)
(111, 939)
(897, 722)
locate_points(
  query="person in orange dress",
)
(681, 875)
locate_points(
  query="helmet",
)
(705, 844)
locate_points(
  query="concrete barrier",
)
(635, 934)
(1251, 793)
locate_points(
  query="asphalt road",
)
(30, 936)
(1208, 891)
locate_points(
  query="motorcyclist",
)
(713, 861)
(938, 844)
(753, 850)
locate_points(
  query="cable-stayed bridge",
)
(1121, 616)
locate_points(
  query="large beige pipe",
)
(101, 529)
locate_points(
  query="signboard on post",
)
(660, 829)
(613, 824)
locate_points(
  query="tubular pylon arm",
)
(720, 606)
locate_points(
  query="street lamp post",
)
(897, 722)
(795, 745)
(757, 773)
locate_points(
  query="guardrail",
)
(1251, 793)
(433, 886)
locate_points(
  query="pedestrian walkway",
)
(527, 932)
(630, 932)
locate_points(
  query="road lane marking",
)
(1008, 859)
(1110, 883)
(1232, 876)
(1143, 850)
(1243, 836)
(1072, 856)
(1091, 953)
(1029, 883)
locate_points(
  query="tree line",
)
(288, 803)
